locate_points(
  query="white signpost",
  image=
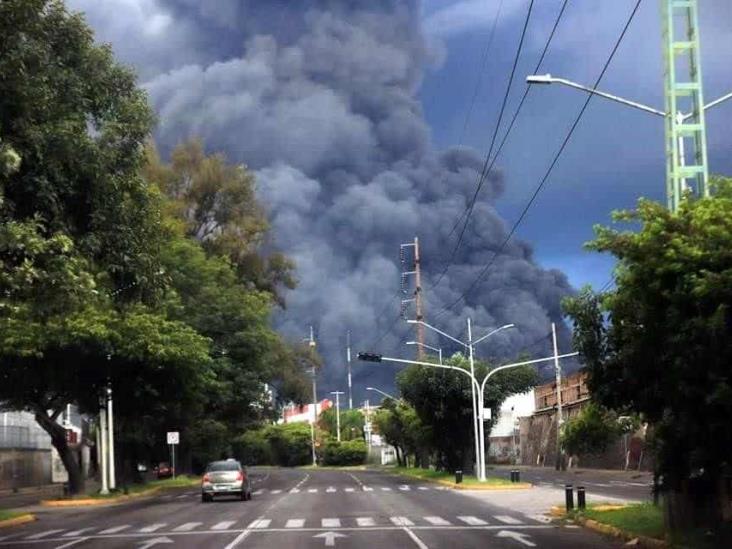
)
(173, 441)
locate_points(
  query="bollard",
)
(518, 475)
(581, 498)
(458, 476)
(569, 497)
(513, 475)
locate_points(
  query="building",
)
(504, 438)
(294, 413)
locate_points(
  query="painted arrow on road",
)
(330, 537)
(518, 536)
(155, 541)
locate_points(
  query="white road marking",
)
(153, 527)
(76, 533)
(404, 488)
(187, 527)
(330, 490)
(331, 523)
(350, 489)
(422, 488)
(238, 539)
(540, 518)
(71, 543)
(43, 534)
(571, 526)
(312, 490)
(401, 521)
(386, 489)
(365, 521)
(368, 489)
(260, 523)
(295, 523)
(506, 519)
(473, 521)
(258, 492)
(295, 491)
(115, 529)
(224, 525)
(415, 539)
(275, 491)
(437, 521)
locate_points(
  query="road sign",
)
(486, 414)
(173, 437)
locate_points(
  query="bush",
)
(350, 452)
(285, 445)
(253, 448)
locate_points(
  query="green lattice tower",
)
(686, 142)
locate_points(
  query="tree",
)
(594, 429)
(443, 402)
(660, 344)
(352, 423)
(400, 426)
(216, 202)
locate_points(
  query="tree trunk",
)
(694, 504)
(67, 455)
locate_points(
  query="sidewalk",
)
(33, 495)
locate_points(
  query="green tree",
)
(594, 429)
(352, 423)
(442, 400)
(660, 344)
(402, 428)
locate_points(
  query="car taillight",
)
(206, 478)
(240, 476)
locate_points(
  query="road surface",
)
(294, 508)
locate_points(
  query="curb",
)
(92, 502)
(15, 521)
(608, 530)
(461, 486)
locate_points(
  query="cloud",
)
(321, 102)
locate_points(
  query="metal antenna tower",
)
(685, 133)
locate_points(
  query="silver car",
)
(225, 478)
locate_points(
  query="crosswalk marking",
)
(260, 523)
(437, 521)
(153, 527)
(349, 489)
(331, 523)
(401, 521)
(224, 525)
(187, 527)
(386, 489)
(365, 521)
(295, 491)
(44, 534)
(313, 491)
(540, 518)
(404, 488)
(115, 529)
(258, 492)
(275, 491)
(473, 521)
(295, 523)
(422, 488)
(330, 489)
(74, 533)
(506, 519)
(368, 489)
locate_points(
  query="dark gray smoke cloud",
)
(320, 100)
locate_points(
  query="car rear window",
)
(223, 466)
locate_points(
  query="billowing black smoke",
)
(320, 100)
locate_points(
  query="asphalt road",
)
(305, 509)
(626, 485)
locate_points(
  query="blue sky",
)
(615, 156)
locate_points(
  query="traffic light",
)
(369, 357)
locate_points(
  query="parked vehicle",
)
(164, 470)
(225, 478)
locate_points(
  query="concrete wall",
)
(20, 468)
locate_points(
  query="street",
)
(300, 508)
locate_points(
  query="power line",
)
(544, 179)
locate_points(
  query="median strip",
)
(447, 479)
(13, 518)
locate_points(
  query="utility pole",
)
(559, 464)
(110, 429)
(418, 303)
(338, 413)
(102, 450)
(315, 398)
(348, 356)
(683, 92)
(477, 414)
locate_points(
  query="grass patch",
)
(643, 519)
(444, 476)
(182, 481)
(7, 515)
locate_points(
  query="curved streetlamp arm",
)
(517, 364)
(448, 336)
(489, 334)
(430, 365)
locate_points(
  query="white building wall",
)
(514, 407)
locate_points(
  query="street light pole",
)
(110, 429)
(435, 349)
(338, 413)
(315, 400)
(387, 395)
(348, 356)
(480, 387)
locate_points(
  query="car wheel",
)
(243, 496)
(249, 495)
(205, 498)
